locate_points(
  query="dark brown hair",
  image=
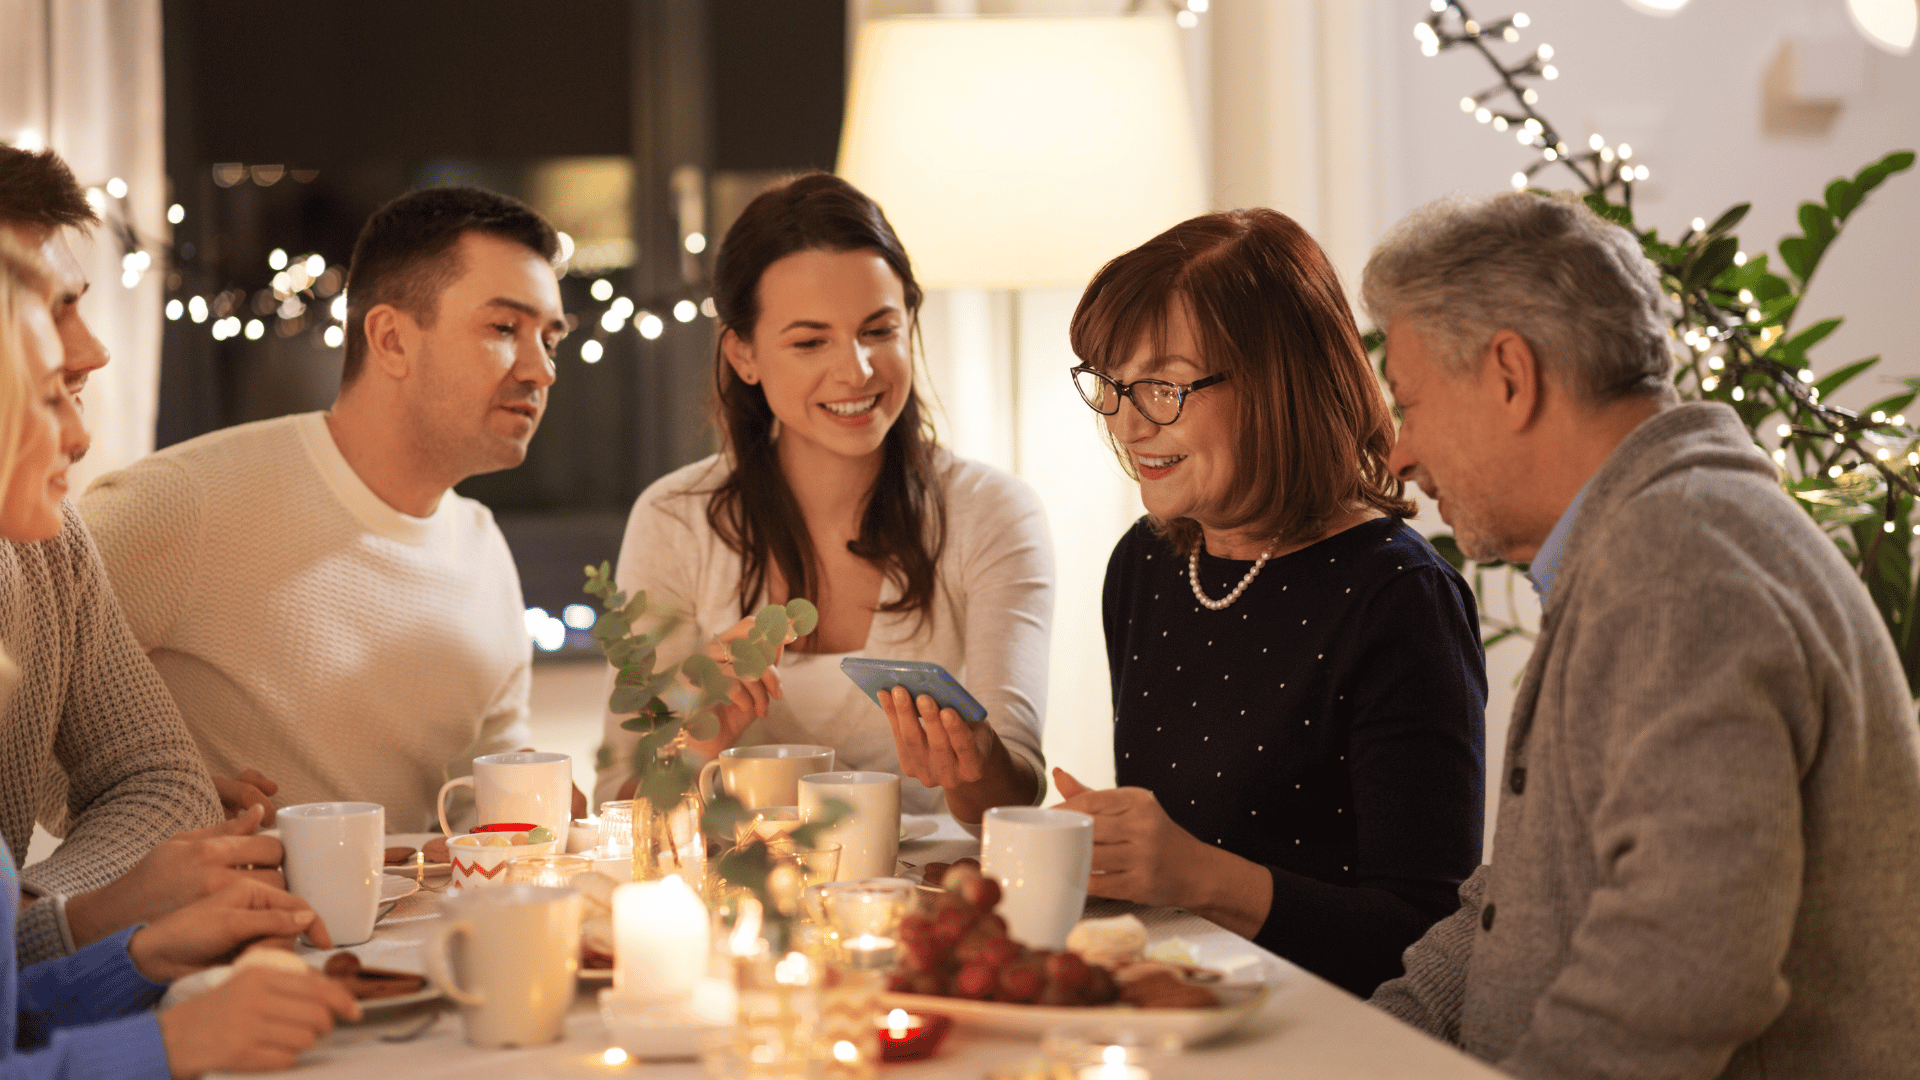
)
(904, 527)
(1314, 431)
(37, 189)
(406, 254)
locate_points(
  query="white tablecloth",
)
(1308, 1028)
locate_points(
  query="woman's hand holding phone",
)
(936, 747)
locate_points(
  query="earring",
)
(750, 380)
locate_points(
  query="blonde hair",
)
(24, 279)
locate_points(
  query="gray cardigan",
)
(1707, 855)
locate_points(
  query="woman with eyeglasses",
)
(1298, 683)
(830, 486)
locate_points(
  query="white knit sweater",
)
(90, 743)
(309, 630)
(992, 616)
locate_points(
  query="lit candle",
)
(909, 1036)
(660, 932)
(1113, 1066)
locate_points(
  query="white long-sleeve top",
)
(991, 619)
(309, 630)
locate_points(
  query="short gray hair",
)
(1573, 284)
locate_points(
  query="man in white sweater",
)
(91, 745)
(321, 604)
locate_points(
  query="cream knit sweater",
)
(990, 626)
(90, 742)
(311, 631)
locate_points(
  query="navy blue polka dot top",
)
(1328, 725)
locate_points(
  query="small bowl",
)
(476, 865)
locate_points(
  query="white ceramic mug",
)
(334, 857)
(528, 786)
(869, 837)
(764, 775)
(1041, 858)
(508, 956)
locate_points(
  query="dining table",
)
(1307, 1027)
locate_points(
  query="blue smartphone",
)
(919, 677)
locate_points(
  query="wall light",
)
(1657, 7)
(1886, 24)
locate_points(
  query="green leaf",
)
(1798, 345)
(702, 724)
(1842, 197)
(1499, 636)
(1816, 223)
(664, 784)
(1449, 549)
(603, 757)
(706, 677)
(647, 753)
(771, 623)
(722, 815)
(1837, 379)
(1711, 261)
(1768, 286)
(1891, 406)
(627, 699)
(1793, 252)
(1373, 341)
(611, 626)
(802, 615)
(750, 657)
(1729, 219)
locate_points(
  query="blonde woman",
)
(90, 1014)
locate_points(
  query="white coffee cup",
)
(764, 775)
(869, 837)
(1041, 858)
(528, 786)
(334, 857)
(508, 956)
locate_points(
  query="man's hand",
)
(260, 1019)
(177, 872)
(213, 930)
(249, 789)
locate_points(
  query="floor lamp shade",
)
(1021, 152)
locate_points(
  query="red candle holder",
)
(918, 1039)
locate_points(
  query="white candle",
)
(660, 933)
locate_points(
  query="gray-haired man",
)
(1708, 844)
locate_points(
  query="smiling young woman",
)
(831, 487)
(1297, 679)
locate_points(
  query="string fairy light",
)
(1729, 330)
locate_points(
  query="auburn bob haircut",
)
(1313, 428)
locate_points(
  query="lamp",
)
(1021, 152)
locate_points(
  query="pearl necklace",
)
(1193, 578)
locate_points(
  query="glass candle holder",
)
(863, 920)
(794, 870)
(1106, 1053)
(771, 824)
(778, 1017)
(616, 828)
(556, 870)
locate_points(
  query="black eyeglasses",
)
(1159, 401)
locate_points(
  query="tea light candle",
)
(660, 933)
(1113, 1066)
(908, 1036)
